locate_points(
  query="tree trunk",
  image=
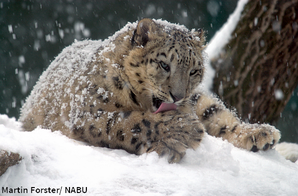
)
(258, 69)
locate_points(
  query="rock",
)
(8, 159)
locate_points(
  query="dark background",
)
(32, 33)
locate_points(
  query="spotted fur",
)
(110, 100)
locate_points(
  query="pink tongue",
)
(166, 107)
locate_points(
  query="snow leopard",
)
(138, 91)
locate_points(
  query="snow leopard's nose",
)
(176, 97)
(178, 85)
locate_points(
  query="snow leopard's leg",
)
(221, 122)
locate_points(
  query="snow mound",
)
(50, 159)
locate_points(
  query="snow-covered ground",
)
(215, 168)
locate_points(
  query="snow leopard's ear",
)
(145, 29)
(199, 37)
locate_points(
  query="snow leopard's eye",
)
(196, 72)
(165, 66)
(193, 72)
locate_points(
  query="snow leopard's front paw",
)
(175, 136)
(255, 137)
(162, 149)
